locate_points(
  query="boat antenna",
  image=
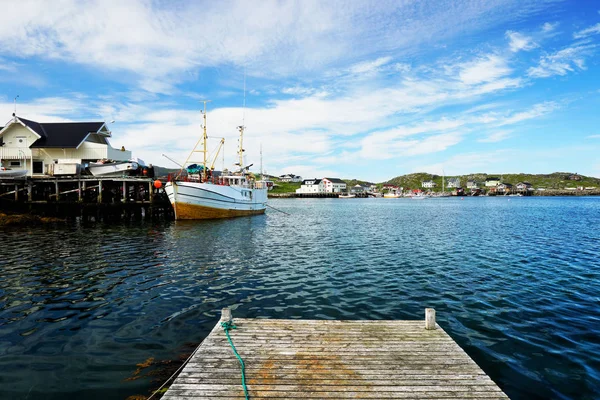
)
(261, 164)
(242, 127)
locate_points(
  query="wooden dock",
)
(288, 359)
(88, 197)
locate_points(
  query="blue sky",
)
(350, 89)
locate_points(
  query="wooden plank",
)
(289, 359)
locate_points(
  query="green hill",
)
(556, 180)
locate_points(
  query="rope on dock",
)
(227, 326)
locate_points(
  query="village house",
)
(504, 187)
(34, 146)
(428, 184)
(290, 178)
(471, 184)
(453, 182)
(524, 186)
(358, 189)
(492, 182)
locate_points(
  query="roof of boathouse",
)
(335, 180)
(314, 181)
(60, 134)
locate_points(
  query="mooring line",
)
(277, 209)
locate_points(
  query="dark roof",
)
(506, 184)
(61, 134)
(34, 126)
(335, 180)
(491, 178)
(315, 181)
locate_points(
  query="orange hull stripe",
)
(192, 211)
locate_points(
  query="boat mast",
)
(242, 127)
(204, 139)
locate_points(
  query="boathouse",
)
(34, 146)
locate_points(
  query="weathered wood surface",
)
(287, 359)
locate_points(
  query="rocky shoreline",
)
(25, 219)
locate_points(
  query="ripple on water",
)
(515, 284)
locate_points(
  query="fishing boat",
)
(200, 195)
(347, 196)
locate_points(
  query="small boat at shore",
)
(347, 196)
(113, 168)
(12, 173)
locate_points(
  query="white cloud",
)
(369, 67)
(159, 44)
(485, 69)
(536, 111)
(495, 137)
(593, 137)
(518, 42)
(562, 62)
(549, 27)
(592, 30)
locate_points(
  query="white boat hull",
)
(112, 169)
(13, 173)
(391, 196)
(195, 200)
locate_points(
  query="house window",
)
(15, 163)
(38, 167)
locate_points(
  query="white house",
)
(32, 146)
(290, 178)
(524, 186)
(492, 182)
(471, 184)
(453, 182)
(311, 186)
(428, 184)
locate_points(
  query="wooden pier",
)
(96, 198)
(288, 359)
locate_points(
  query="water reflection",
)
(515, 283)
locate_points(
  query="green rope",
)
(227, 326)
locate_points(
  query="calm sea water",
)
(515, 282)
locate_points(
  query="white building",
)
(334, 185)
(325, 185)
(311, 186)
(428, 184)
(32, 146)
